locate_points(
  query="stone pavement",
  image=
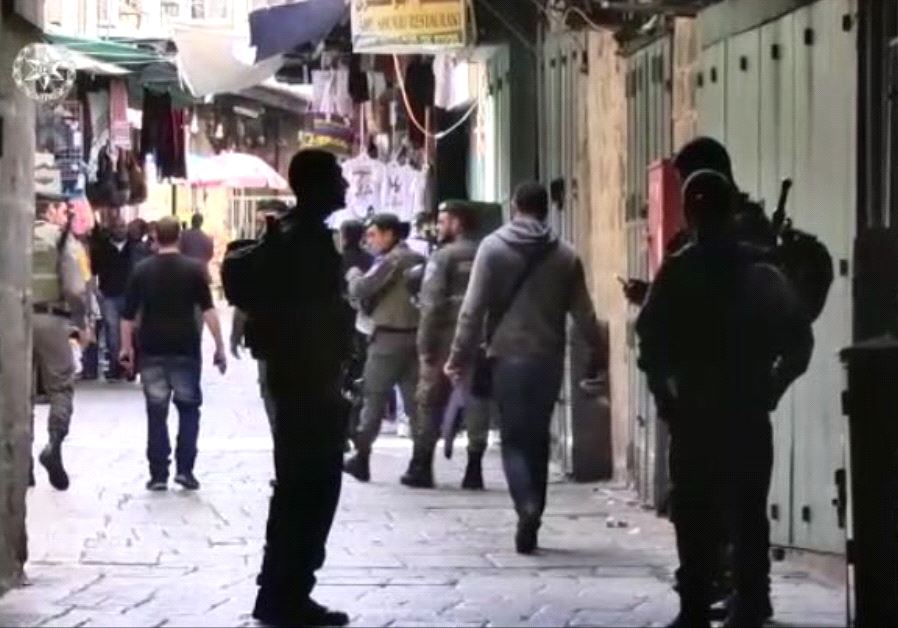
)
(107, 553)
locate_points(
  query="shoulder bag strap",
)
(498, 315)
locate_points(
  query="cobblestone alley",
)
(108, 553)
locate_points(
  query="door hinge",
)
(841, 499)
(809, 35)
(775, 512)
(849, 551)
(775, 52)
(847, 22)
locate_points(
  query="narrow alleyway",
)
(108, 553)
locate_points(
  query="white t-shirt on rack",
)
(399, 191)
(366, 179)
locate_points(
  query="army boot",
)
(420, 470)
(51, 459)
(473, 480)
(359, 466)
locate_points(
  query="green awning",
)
(124, 55)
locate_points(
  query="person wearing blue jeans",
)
(166, 291)
(166, 379)
(112, 261)
(526, 391)
(523, 286)
(112, 308)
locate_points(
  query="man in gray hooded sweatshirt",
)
(523, 285)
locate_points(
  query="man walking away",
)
(300, 324)
(165, 292)
(112, 260)
(442, 292)
(392, 355)
(59, 297)
(524, 283)
(196, 244)
(722, 337)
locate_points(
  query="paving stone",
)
(109, 553)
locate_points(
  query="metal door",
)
(561, 76)
(649, 138)
(743, 90)
(711, 92)
(825, 196)
(777, 150)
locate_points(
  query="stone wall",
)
(603, 167)
(16, 217)
(687, 51)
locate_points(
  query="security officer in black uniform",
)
(446, 278)
(302, 328)
(722, 337)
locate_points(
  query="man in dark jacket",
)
(524, 284)
(303, 331)
(112, 260)
(722, 336)
(445, 283)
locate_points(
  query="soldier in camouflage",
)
(442, 293)
(59, 301)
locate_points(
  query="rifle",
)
(780, 222)
(66, 232)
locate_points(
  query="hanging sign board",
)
(408, 26)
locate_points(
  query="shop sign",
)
(408, 26)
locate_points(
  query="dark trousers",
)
(166, 379)
(720, 476)
(526, 391)
(309, 433)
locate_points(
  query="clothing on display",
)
(401, 191)
(119, 129)
(331, 92)
(163, 135)
(420, 85)
(358, 81)
(366, 179)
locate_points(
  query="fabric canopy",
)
(213, 61)
(124, 55)
(280, 29)
(233, 170)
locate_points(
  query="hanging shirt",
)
(366, 178)
(399, 191)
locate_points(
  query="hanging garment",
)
(331, 92)
(366, 178)
(119, 129)
(162, 135)
(400, 191)
(358, 81)
(420, 85)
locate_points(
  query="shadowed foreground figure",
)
(722, 337)
(301, 326)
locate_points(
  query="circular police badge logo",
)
(43, 72)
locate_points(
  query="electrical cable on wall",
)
(411, 114)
